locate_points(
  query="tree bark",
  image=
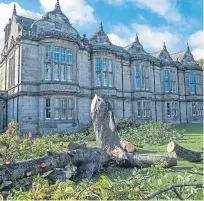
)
(108, 139)
(79, 164)
(184, 153)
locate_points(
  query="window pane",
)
(139, 109)
(98, 79)
(56, 72)
(138, 77)
(110, 81)
(63, 55)
(63, 72)
(70, 113)
(47, 102)
(69, 73)
(47, 114)
(105, 79)
(57, 103)
(63, 114)
(110, 69)
(98, 65)
(56, 54)
(168, 109)
(57, 113)
(70, 103)
(48, 53)
(69, 56)
(48, 71)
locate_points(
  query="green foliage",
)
(137, 186)
(126, 184)
(151, 133)
(200, 62)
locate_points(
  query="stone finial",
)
(101, 27)
(188, 48)
(14, 10)
(57, 5)
(9, 20)
(164, 46)
(136, 38)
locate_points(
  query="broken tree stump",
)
(187, 154)
(108, 139)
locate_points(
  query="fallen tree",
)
(83, 163)
(184, 153)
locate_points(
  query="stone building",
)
(49, 74)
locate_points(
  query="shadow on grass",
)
(188, 168)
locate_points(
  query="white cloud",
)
(6, 13)
(78, 11)
(196, 42)
(150, 37)
(116, 40)
(165, 8)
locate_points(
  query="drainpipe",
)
(123, 90)
(154, 91)
(178, 84)
(19, 56)
(185, 95)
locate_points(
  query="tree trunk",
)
(108, 139)
(85, 162)
(184, 153)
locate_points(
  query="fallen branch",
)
(187, 154)
(173, 188)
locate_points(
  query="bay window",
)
(103, 72)
(142, 77)
(58, 67)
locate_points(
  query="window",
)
(48, 71)
(168, 106)
(104, 72)
(173, 82)
(192, 83)
(58, 67)
(146, 78)
(138, 77)
(48, 53)
(11, 72)
(146, 109)
(63, 108)
(139, 109)
(47, 108)
(166, 81)
(194, 109)
(199, 84)
(200, 109)
(175, 109)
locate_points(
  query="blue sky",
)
(175, 22)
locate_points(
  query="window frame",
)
(59, 58)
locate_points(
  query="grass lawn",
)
(193, 139)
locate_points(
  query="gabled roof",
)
(24, 20)
(163, 55)
(185, 58)
(100, 37)
(136, 48)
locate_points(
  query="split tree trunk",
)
(108, 139)
(184, 153)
